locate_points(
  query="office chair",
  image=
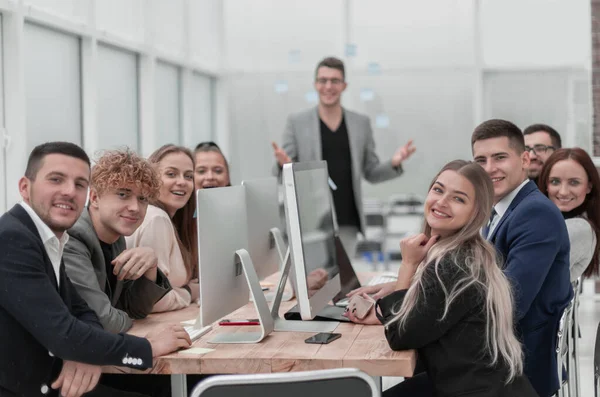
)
(563, 359)
(597, 363)
(347, 382)
(574, 379)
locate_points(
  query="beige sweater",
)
(583, 245)
(157, 232)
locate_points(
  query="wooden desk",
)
(361, 346)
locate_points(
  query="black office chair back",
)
(597, 363)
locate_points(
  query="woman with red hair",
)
(570, 179)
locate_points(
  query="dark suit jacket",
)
(533, 241)
(86, 268)
(451, 350)
(42, 324)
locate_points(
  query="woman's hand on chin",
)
(415, 248)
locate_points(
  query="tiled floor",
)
(589, 316)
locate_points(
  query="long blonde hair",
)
(477, 267)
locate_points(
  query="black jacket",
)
(41, 324)
(451, 350)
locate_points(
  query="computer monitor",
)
(264, 237)
(226, 272)
(311, 233)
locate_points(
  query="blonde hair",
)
(477, 268)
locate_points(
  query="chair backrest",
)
(597, 354)
(347, 382)
(562, 348)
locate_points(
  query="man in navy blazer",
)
(50, 339)
(531, 237)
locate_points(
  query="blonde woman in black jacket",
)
(451, 301)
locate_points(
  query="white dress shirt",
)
(502, 206)
(54, 246)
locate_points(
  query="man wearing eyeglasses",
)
(541, 141)
(345, 140)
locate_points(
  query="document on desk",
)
(196, 350)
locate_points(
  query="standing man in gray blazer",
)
(345, 140)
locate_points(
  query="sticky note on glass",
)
(196, 350)
(367, 94)
(294, 56)
(281, 87)
(374, 69)
(189, 322)
(311, 97)
(350, 50)
(382, 121)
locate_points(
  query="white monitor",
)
(262, 208)
(311, 233)
(226, 272)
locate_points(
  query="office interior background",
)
(141, 73)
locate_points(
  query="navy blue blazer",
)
(534, 244)
(42, 323)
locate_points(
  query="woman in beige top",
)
(169, 227)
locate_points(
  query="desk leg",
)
(378, 384)
(178, 385)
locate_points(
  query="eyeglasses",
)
(539, 149)
(207, 144)
(323, 81)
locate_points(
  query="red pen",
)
(251, 321)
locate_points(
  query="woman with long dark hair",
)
(169, 226)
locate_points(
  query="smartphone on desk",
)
(323, 338)
(250, 321)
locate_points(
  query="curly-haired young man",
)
(118, 283)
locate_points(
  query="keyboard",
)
(196, 333)
(379, 279)
(382, 278)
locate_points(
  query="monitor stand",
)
(278, 243)
(262, 308)
(293, 325)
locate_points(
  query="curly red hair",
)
(118, 168)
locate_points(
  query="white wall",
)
(106, 73)
(536, 33)
(445, 66)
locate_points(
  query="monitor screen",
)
(316, 224)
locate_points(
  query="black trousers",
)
(417, 386)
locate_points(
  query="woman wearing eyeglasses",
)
(570, 179)
(212, 169)
(169, 227)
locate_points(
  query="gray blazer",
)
(85, 266)
(302, 142)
